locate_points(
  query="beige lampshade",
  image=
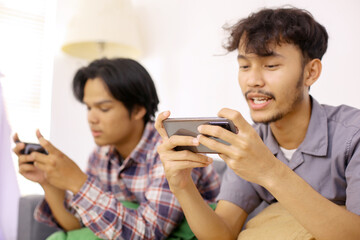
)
(102, 28)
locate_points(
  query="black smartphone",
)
(33, 147)
(188, 127)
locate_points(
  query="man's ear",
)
(138, 112)
(312, 72)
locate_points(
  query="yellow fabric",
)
(274, 223)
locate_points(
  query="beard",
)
(295, 100)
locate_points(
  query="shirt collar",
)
(145, 144)
(316, 139)
(142, 146)
(270, 141)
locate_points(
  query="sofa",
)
(28, 227)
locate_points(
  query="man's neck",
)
(290, 131)
(125, 148)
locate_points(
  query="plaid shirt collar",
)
(144, 144)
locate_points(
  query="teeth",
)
(259, 100)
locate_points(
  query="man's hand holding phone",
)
(180, 149)
(54, 166)
(26, 162)
(246, 154)
(242, 150)
(178, 164)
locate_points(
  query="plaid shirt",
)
(139, 178)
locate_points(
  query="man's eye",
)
(104, 109)
(244, 67)
(271, 66)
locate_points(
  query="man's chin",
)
(100, 143)
(260, 121)
(259, 118)
(266, 119)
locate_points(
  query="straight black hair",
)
(127, 81)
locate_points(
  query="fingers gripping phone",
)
(188, 127)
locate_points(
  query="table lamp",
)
(102, 28)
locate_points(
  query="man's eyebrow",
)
(239, 56)
(103, 101)
(271, 54)
(100, 102)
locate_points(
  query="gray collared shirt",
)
(328, 159)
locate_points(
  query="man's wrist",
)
(79, 183)
(276, 176)
(45, 185)
(184, 190)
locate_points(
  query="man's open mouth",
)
(260, 100)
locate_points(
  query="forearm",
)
(55, 199)
(322, 218)
(203, 221)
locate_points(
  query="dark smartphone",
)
(188, 127)
(33, 147)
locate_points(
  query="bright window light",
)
(26, 59)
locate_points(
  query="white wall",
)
(182, 45)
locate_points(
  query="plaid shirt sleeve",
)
(208, 182)
(44, 215)
(109, 219)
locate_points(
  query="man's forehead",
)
(259, 48)
(269, 50)
(242, 54)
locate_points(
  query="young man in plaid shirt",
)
(121, 100)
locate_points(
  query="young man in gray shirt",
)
(299, 155)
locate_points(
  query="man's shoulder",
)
(146, 149)
(150, 138)
(343, 114)
(151, 132)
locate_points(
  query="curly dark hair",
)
(127, 81)
(262, 29)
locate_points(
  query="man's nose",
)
(255, 78)
(92, 116)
